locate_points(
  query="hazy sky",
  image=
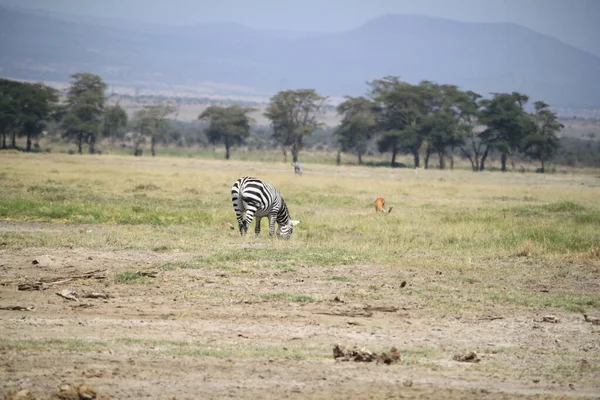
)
(573, 21)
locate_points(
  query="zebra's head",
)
(285, 231)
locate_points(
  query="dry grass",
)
(493, 238)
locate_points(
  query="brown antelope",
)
(379, 205)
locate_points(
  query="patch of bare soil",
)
(210, 333)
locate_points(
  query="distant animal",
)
(380, 204)
(297, 168)
(255, 198)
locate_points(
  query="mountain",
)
(481, 57)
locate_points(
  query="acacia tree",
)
(543, 144)
(294, 114)
(358, 125)
(399, 106)
(115, 121)
(446, 122)
(475, 147)
(152, 120)
(507, 124)
(9, 114)
(24, 110)
(84, 110)
(38, 103)
(229, 126)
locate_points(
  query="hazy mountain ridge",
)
(482, 57)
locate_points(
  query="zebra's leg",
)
(272, 219)
(248, 220)
(257, 226)
(238, 211)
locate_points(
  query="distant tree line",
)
(424, 121)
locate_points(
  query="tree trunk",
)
(92, 144)
(284, 150)
(483, 158)
(152, 143)
(503, 157)
(80, 143)
(394, 153)
(13, 139)
(442, 160)
(427, 154)
(295, 151)
(476, 153)
(542, 169)
(359, 158)
(416, 159)
(451, 156)
(3, 140)
(474, 163)
(28, 148)
(227, 147)
(338, 158)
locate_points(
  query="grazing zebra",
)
(261, 199)
(297, 168)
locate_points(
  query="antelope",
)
(379, 205)
(297, 168)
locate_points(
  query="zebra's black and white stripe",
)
(261, 199)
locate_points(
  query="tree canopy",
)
(229, 126)
(421, 120)
(294, 114)
(84, 110)
(25, 109)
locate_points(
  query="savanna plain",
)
(162, 298)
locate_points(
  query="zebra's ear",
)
(294, 222)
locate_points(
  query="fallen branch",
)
(381, 308)
(68, 294)
(150, 274)
(17, 308)
(341, 353)
(96, 295)
(30, 286)
(347, 313)
(468, 357)
(490, 317)
(550, 318)
(45, 283)
(82, 305)
(88, 275)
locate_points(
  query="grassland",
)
(457, 248)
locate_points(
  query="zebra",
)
(297, 168)
(261, 199)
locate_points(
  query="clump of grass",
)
(296, 298)
(339, 278)
(130, 278)
(145, 187)
(526, 249)
(564, 206)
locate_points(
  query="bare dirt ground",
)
(207, 333)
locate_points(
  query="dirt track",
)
(203, 333)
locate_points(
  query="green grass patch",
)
(287, 258)
(296, 298)
(54, 345)
(130, 277)
(339, 278)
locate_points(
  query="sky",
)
(573, 21)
